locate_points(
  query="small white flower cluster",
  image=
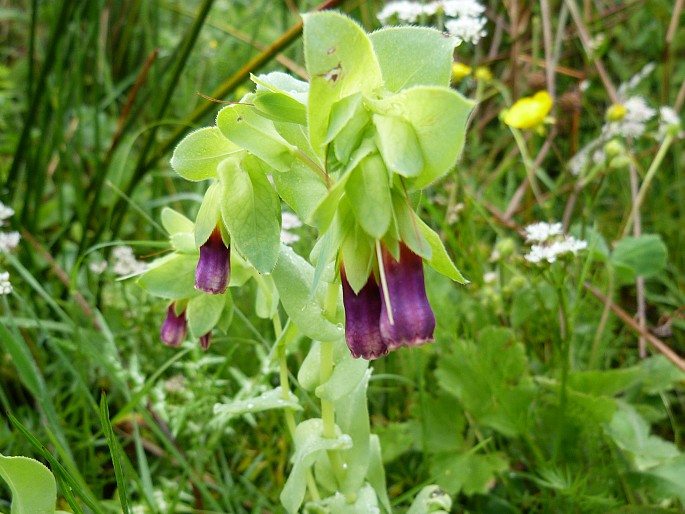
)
(125, 263)
(8, 240)
(289, 221)
(464, 18)
(634, 123)
(551, 242)
(5, 285)
(669, 122)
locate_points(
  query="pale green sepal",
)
(368, 189)
(301, 189)
(408, 227)
(413, 56)
(309, 443)
(197, 156)
(322, 254)
(309, 374)
(340, 62)
(281, 107)
(440, 260)
(431, 500)
(358, 256)
(209, 214)
(293, 278)
(272, 399)
(203, 313)
(184, 242)
(398, 145)
(174, 222)
(342, 112)
(351, 136)
(33, 486)
(266, 299)
(171, 277)
(243, 125)
(251, 211)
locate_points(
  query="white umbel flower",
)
(5, 285)
(289, 221)
(541, 231)
(405, 11)
(551, 243)
(9, 241)
(125, 263)
(467, 29)
(5, 212)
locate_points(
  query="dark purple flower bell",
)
(174, 328)
(414, 321)
(213, 268)
(206, 340)
(362, 312)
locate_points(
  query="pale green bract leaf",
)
(197, 156)
(413, 56)
(269, 400)
(309, 443)
(301, 189)
(408, 226)
(203, 313)
(184, 242)
(280, 107)
(358, 257)
(293, 277)
(347, 374)
(439, 260)
(171, 277)
(398, 145)
(340, 62)
(342, 112)
(33, 486)
(174, 222)
(279, 82)
(243, 125)
(368, 189)
(209, 214)
(251, 211)
(438, 116)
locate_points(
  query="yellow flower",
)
(460, 71)
(529, 112)
(483, 73)
(616, 112)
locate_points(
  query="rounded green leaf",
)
(203, 313)
(33, 486)
(197, 156)
(171, 277)
(209, 214)
(644, 255)
(398, 145)
(174, 222)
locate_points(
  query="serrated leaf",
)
(243, 125)
(33, 487)
(340, 62)
(203, 313)
(251, 211)
(645, 255)
(439, 260)
(413, 56)
(172, 277)
(368, 189)
(197, 156)
(174, 222)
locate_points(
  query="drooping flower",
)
(413, 321)
(213, 268)
(174, 328)
(529, 112)
(362, 315)
(206, 340)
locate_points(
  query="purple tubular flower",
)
(362, 312)
(214, 267)
(206, 340)
(414, 321)
(174, 328)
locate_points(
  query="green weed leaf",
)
(645, 255)
(197, 156)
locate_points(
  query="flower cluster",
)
(551, 243)
(462, 18)
(124, 262)
(8, 240)
(376, 322)
(5, 284)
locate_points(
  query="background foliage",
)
(513, 409)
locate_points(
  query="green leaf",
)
(440, 261)
(116, 453)
(293, 278)
(251, 212)
(431, 500)
(470, 473)
(398, 145)
(358, 253)
(171, 277)
(279, 82)
(281, 107)
(342, 112)
(301, 189)
(413, 56)
(272, 399)
(376, 472)
(33, 486)
(490, 380)
(203, 313)
(174, 222)
(340, 62)
(243, 125)
(347, 375)
(409, 228)
(309, 444)
(197, 156)
(438, 116)
(209, 214)
(368, 189)
(645, 255)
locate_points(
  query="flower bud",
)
(174, 328)
(213, 268)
